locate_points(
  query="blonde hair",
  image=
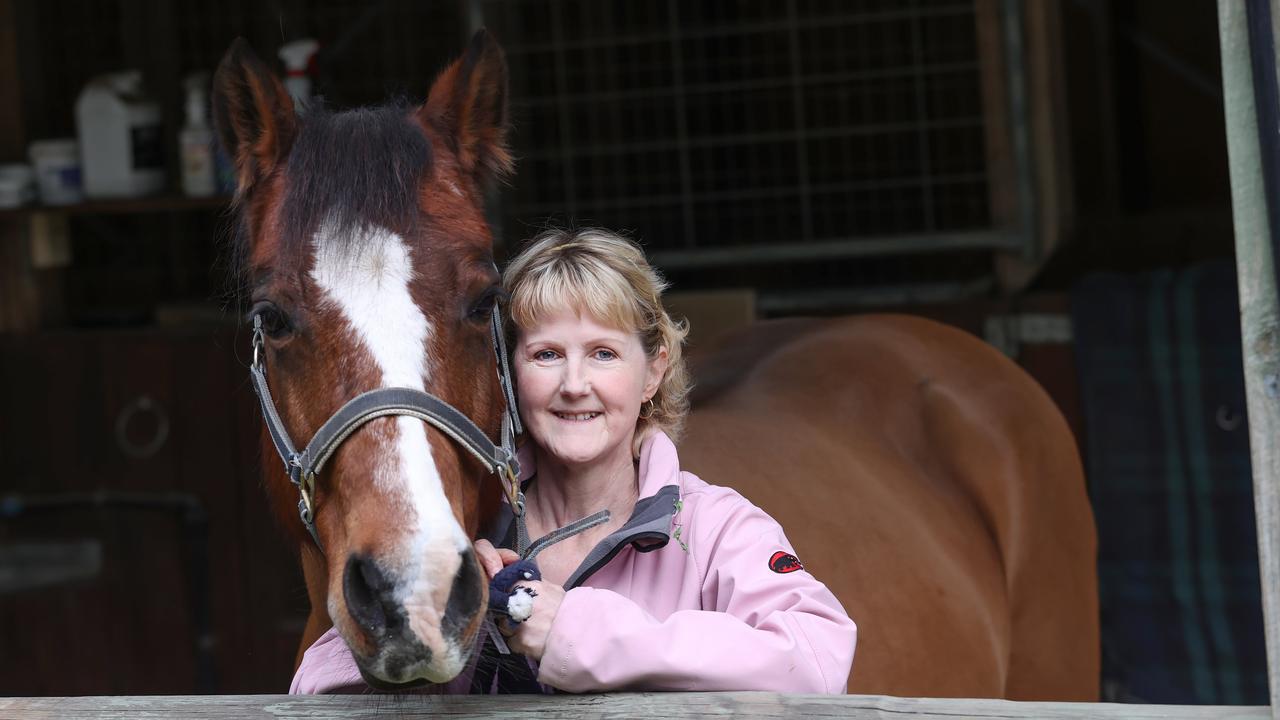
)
(606, 276)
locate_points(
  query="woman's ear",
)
(252, 114)
(656, 371)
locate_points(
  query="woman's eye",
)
(275, 323)
(544, 356)
(604, 354)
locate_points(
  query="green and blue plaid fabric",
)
(1166, 449)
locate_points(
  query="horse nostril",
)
(465, 594)
(367, 592)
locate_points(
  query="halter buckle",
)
(511, 484)
(305, 488)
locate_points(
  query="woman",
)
(688, 586)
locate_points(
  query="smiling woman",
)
(602, 390)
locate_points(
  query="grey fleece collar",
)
(648, 529)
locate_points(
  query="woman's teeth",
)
(577, 416)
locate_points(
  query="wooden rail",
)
(662, 706)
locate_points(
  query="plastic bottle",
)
(121, 143)
(196, 141)
(297, 57)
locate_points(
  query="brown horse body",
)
(929, 482)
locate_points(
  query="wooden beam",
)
(660, 706)
(1259, 316)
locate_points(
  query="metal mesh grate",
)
(701, 125)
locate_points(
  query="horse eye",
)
(483, 307)
(275, 323)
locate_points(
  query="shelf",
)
(129, 206)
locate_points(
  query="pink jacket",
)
(700, 590)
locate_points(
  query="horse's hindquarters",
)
(929, 483)
(911, 566)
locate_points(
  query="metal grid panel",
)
(698, 125)
(702, 125)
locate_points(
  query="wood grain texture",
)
(661, 706)
(1259, 317)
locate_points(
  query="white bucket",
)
(57, 166)
(15, 185)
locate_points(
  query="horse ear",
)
(253, 115)
(468, 105)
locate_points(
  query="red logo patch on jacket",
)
(784, 562)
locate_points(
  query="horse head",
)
(363, 245)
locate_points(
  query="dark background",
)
(734, 140)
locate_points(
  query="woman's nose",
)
(574, 381)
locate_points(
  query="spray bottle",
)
(297, 57)
(196, 141)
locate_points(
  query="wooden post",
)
(1259, 318)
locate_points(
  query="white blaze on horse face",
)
(371, 287)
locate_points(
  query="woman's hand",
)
(493, 559)
(529, 638)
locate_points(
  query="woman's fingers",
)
(490, 557)
(493, 559)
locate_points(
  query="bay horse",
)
(926, 479)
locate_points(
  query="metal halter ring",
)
(257, 339)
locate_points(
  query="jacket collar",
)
(648, 528)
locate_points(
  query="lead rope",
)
(501, 585)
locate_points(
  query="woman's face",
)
(581, 385)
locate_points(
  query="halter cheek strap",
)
(303, 466)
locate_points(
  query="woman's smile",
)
(576, 417)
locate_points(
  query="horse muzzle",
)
(402, 638)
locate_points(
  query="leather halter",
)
(303, 466)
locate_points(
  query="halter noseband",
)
(302, 467)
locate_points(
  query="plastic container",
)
(121, 143)
(57, 170)
(16, 183)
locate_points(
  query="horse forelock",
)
(353, 171)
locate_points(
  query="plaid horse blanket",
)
(1166, 451)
